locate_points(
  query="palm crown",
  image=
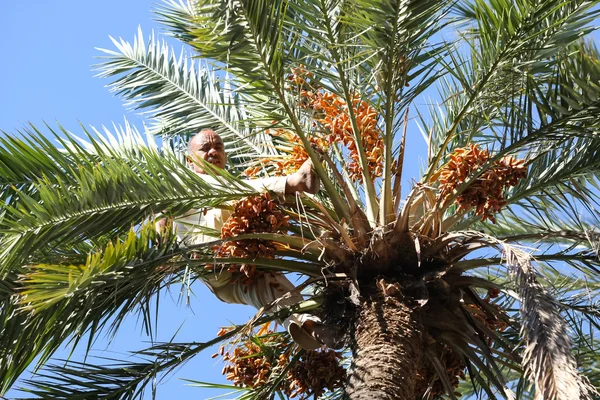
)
(482, 278)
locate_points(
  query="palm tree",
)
(481, 280)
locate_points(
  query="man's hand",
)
(303, 180)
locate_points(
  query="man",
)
(270, 288)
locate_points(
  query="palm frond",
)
(105, 195)
(398, 32)
(61, 258)
(78, 251)
(561, 147)
(179, 95)
(119, 379)
(51, 304)
(512, 58)
(122, 379)
(344, 56)
(61, 302)
(178, 16)
(541, 304)
(547, 357)
(245, 37)
(28, 158)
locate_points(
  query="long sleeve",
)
(274, 184)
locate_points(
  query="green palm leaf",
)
(519, 55)
(399, 30)
(106, 195)
(179, 96)
(119, 379)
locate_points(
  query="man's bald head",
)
(208, 146)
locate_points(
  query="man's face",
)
(209, 147)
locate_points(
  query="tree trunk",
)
(387, 350)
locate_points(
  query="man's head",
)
(208, 146)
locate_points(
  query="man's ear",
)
(189, 161)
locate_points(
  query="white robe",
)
(266, 289)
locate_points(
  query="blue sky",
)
(47, 51)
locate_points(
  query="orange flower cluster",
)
(253, 362)
(315, 372)
(336, 120)
(332, 113)
(255, 214)
(292, 162)
(485, 193)
(249, 365)
(298, 154)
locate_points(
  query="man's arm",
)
(303, 180)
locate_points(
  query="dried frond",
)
(547, 357)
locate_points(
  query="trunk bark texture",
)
(387, 350)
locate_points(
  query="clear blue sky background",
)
(46, 52)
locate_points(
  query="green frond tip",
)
(44, 285)
(180, 95)
(104, 195)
